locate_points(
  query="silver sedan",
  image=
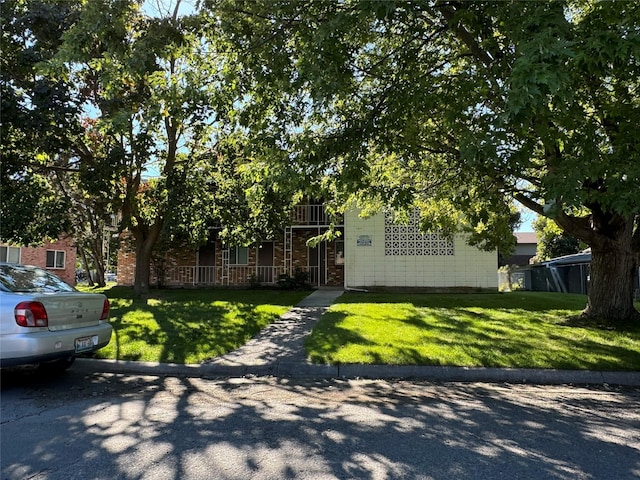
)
(47, 322)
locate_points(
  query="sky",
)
(527, 217)
(164, 8)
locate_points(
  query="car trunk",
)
(72, 310)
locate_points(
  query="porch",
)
(231, 275)
(218, 264)
(310, 215)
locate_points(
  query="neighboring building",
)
(566, 274)
(527, 243)
(58, 257)
(371, 252)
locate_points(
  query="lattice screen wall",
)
(405, 240)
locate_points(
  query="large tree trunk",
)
(614, 265)
(144, 249)
(615, 256)
(610, 295)
(83, 255)
(98, 260)
(141, 283)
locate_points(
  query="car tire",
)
(57, 366)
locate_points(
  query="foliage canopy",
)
(460, 108)
(457, 108)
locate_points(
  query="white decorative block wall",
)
(380, 252)
(407, 239)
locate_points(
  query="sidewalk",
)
(278, 351)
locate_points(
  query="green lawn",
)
(519, 329)
(189, 326)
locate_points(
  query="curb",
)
(377, 372)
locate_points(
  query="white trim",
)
(55, 265)
(7, 255)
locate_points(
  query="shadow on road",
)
(117, 426)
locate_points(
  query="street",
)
(112, 426)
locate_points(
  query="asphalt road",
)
(117, 426)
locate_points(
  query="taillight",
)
(31, 314)
(105, 310)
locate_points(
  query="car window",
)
(22, 278)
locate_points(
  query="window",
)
(339, 252)
(55, 258)
(10, 254)
(238, 256)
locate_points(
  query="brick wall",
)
(126, 270)
(239, 275)
(278, 253)
(334, 275)
(176, 257)
(299, 249)
(37, 256)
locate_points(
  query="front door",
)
(205, 271)
(265, 263)
(318, 264)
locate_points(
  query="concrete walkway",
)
(278, 350)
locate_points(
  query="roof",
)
(526, 237)
(576, 258)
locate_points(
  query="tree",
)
(34, 126)
(252, 203)
(135, 124)
(151, 87)
(460, 108)
(46, 190)
(89, 186)
(552, 241)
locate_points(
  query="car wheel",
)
(57, 366)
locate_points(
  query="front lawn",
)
(518, 329)
(189, 326)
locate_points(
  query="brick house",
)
(59, 257)
(217, 264)
(371, 252)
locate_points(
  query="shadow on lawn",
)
(459, 336)
(595, 324)
(324, 343)
(184, 323)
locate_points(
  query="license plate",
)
(83, 344)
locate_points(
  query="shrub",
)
(299, 281)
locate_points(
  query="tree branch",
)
(579, 227)
(449, 13)
(529, 203)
